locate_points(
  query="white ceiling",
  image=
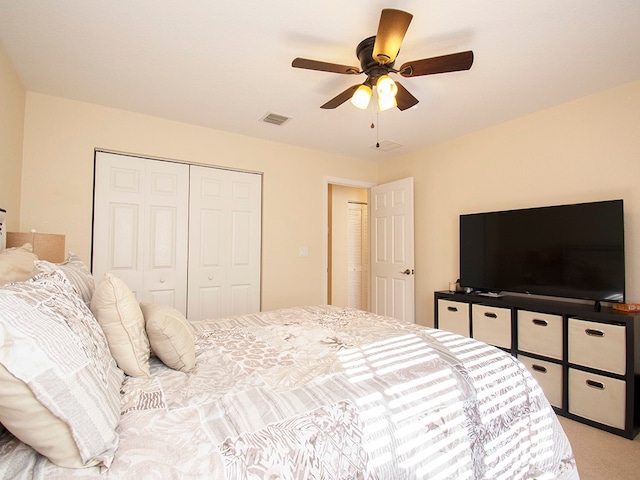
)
(225, 64)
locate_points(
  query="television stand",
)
(586, 359)
(490, 294)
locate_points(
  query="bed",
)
(309, 392)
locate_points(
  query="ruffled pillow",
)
(170, 335)
(118, 313)
(76, 272)
(59, 385)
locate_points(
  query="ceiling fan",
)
(377, 56)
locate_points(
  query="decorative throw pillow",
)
(118, 313)
(76, 272)
(59, 386)
(170, 336)
(17, 264)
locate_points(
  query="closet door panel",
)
(241, 239)
(141, 226)
(206, 270)
(163, 233)
(224, 245)
(208, 301)
(244, 243)
(161, 297)
(118, 219)
(241, 297)
(207, 246)
(210, 228)
(167, 222)
(123, 222)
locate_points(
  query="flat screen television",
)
(571, 251)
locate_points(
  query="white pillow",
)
(17, 264)
(76, 272)
(59, 386)
(118, 313)
(170, 336)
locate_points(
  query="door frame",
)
(345, 182)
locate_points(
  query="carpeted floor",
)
(601, 455)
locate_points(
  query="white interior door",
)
(224, 243)
(140, 226)
(392, 250)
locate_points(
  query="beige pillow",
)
(17, 264)
(59, 385)
(118, 313)
(170, 336)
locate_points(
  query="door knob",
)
(408, 272)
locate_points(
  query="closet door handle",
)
(540, 323)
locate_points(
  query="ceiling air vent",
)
(275, 119)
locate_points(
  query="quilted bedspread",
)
(328, 393)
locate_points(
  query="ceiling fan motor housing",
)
(368, 64)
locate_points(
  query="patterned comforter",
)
(328, 393)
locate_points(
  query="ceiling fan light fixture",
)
(386, 87)
(377, 55)
(361, 97)
(386, 103)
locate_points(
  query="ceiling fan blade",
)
(323, 66)
(446, 63)
(404, 98)
(341, 98)
(391, 30)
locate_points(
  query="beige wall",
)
(585, 150)
(12, 106)
(60, 138)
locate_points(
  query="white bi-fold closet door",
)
(182, 235)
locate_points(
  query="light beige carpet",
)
(601, 455)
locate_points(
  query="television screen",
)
(571, 251)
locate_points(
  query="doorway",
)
(348, 246)
(391, 263)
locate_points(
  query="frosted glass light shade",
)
(386, 87)
(386, 103)
(361, 97)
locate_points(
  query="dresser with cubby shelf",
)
(586, 361)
